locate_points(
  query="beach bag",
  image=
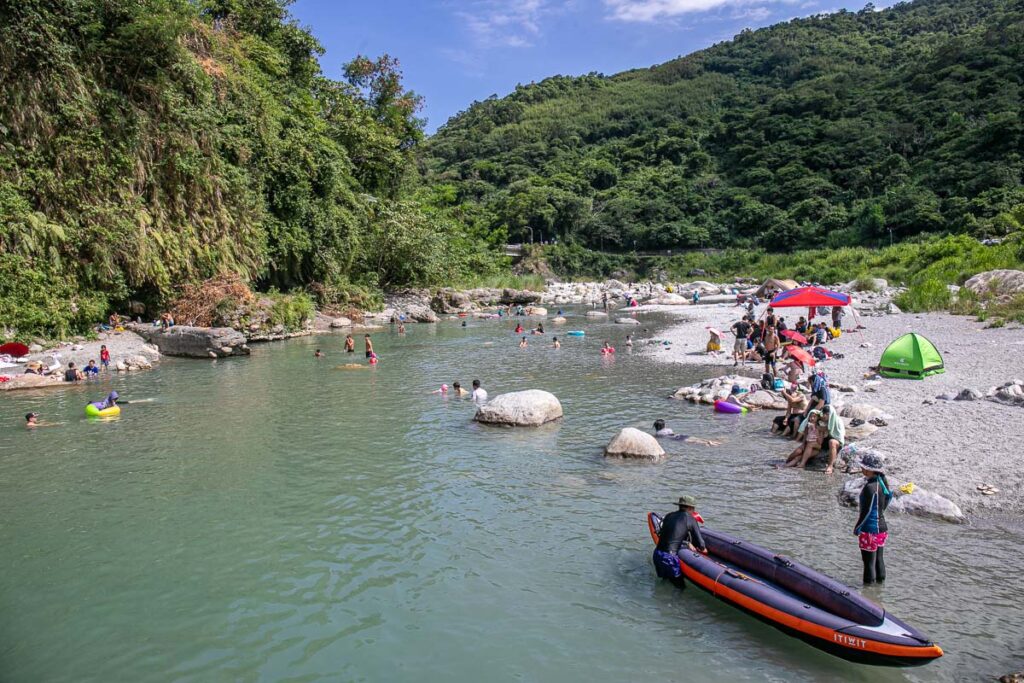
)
(820, 353)
(778, 384)
(767, 381)
(835, 332)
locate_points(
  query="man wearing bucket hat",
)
(677, 528)
(871, 529)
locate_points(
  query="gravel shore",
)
(949, 447)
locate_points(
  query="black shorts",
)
(827, 441)
(369, 353)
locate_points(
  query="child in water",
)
(607, 348)
(522, 343)
(519, 328)
(317, 354)
(557, 344)
(350, 344)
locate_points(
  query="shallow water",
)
(275, 518)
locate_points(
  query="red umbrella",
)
(800, 354)
(14, 349)
(795, 336)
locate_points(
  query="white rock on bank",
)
(921, 503)
(627, 321)
(633, 443)
(597, 314)
(529, 408)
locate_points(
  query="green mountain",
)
(844, 129)
(148, 144)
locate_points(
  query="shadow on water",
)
(270, 518)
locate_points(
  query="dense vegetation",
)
(151, 143)
(832, 131)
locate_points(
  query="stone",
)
(558, 320)
(529, 408)
(535, 311)
(633, 443)
(968, 394)
(892, 309)
(596, 314)
(35, 348)
(421, 314)
(120, 366)
(341, 322)
(669, 300)
(194, 342)
(519, 296)
(928, 402)
(845, 388)
(448, 300)
(860, 411)
(1002, 284)
(948, 396)
(627, 321)
(860, 432)
(920, 503)
(1012, 678)
(764, 398)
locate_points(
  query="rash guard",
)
(678, 528)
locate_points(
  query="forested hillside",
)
(846, 129)
(145, 144)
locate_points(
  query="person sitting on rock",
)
(661, 431)
(677, 528)
(812, 434)
(787, 424)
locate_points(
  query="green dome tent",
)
(911, 357)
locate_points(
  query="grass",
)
(502, 281)
(291, 310)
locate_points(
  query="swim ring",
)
(92, 410)
(575, 333)
(726, 407)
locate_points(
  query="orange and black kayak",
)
(801, 602)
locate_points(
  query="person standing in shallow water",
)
(369, 347)
(350, 344)
(677, 528)
(871, 530)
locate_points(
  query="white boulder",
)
(529, 408)
(633, 443)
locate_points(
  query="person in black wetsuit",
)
(677, 528)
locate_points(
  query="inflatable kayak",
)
(92, 410)
(801, 602)
(726, 407)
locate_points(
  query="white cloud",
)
(508, 23)
(654, 10)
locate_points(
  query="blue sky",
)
(456, 51)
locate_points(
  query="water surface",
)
(275, 518)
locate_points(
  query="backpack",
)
(767, 381)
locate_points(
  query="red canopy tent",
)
(810, 296)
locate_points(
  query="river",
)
(275, 518)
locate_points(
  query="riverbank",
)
(947, 446)
(128, 353)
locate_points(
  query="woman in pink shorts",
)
(871, 529)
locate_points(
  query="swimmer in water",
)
(401, 328)
(607, 348)
(318, 354)
(660, 430)
(442, 390)
(459, 391)
(519, 328)
(629, 340)
(522, 343)
(557, 344)
(350, 344)
(369, 347)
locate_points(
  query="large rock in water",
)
(519, 296)
(596, 314)
(194, 342)
(627, 321)
(529, 408)
(633, 443)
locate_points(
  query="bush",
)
(292, 311)
(927, 295)
(36, 302)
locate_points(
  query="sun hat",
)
(687, 501)
(870, 461)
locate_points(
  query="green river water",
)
(274, 518)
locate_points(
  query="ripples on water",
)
(276, 518)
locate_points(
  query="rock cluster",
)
(1011, 393)
(918, 502)
(720, 388)
(1000, 284)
